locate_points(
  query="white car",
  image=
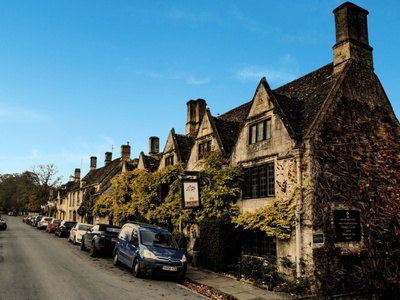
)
(42, 224)
(75, 235)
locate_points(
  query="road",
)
(37, 265)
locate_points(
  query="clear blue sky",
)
(80, 78)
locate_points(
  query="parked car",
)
(3, 224)
(100, 239)
(36, 220)
(64, 228)
(42, 224)
(52, 226)
(75, 235)
(149, 250)
(12, 213)
(29, 219)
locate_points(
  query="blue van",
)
(149, 250)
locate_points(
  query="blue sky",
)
(80, 78)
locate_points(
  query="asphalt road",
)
(37, 265)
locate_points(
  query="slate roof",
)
(68, 187)
(152, 162)
(229, 124)
(301, 99)
(185, 144)
(103, 175)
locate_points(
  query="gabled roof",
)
(228, 125)
(152, 162)
(301, 99)
(184, 144)
(102, 176)
(68, 187)
(149, 162)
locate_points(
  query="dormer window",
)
(260, 131)
(204, 148)
(169, 160)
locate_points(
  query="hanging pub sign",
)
(190, 193)
(347, 225)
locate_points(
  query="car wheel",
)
(136, 268)
(116, 261)
(83, 248)
(93, 250)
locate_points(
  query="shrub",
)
(219, 244)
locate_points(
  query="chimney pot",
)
(77, 176)
(126, 151)
(195, 112)
(351, 36)
(108, 158)
(93, 162)
(154, 145)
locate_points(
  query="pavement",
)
(233, 287)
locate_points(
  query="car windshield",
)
(84, 227)
(163, 240)
(69, 224)
(48, 219)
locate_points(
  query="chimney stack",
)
(154, 145)
(108, 158)
(195, 113)
(93, 162)
(351, 36)
(126, 151)
(77, 176)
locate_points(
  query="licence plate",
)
(168, 268)
(113, 239)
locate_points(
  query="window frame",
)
(169, 160)
(259, 181)
(260, 131)
(204, 148)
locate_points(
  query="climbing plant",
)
(276, 219)
(220, 187)
(87, 205)
(357, 165)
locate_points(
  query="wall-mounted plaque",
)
(347, 225)
(318, 238)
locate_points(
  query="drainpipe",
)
(298, 153)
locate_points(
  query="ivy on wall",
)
(357, 166)
(156, 197)
(276, 219)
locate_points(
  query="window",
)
(258, 243)
(260, 131)
(259, 182)
(204, 148)
(169, 161)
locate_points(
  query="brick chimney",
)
(93, 162)
(126, 151)
(195, 113)
(154, 145)
(77, 175)
(351, 36)
(107, 158)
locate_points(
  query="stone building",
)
(312, 139)
(321, 141)
(97, 181)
